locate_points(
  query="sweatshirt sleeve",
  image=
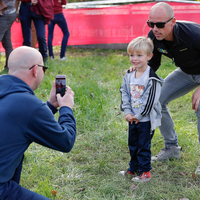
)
(150, 96)
(45, 130)
(125, 97)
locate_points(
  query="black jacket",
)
(185, 51)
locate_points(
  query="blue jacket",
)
(25, 119)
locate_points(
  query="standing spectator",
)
(59, 19)
(31, 10)
(6, 21)
(140, 92)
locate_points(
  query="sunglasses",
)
(158, 24)
(43, 67)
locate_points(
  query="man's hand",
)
(130, 118)
(132, 68)
(17, 3)
(52, 99)
(17, 18)
(67, 99)
(196, 99)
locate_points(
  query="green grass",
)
(90, 170)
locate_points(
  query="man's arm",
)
(45, 130)
(17, 4)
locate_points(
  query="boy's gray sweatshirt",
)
(150, 105)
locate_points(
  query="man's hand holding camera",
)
(58, 101)
(67, 99)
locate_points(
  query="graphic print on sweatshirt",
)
(137, 92)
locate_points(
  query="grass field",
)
(90, 170)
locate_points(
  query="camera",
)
(61, 84)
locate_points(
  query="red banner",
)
(116, 24)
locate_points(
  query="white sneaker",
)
(63, 58)
(52, 58)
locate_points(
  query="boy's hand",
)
(130, 118)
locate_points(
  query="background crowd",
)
(35, 13)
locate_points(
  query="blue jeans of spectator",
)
(59, 19)
(25, 16)
(11, 190)
(139, 143)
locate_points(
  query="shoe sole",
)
(170, 159)
(141, 181)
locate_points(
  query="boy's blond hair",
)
(140, 44)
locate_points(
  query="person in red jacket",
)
(59, 19)
(38, 11)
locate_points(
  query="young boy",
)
(140, 92)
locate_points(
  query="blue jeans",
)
(25, 16)
(176, 84)
(11, 190)
(59, 19)
(139, 143)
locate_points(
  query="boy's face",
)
(139, 59)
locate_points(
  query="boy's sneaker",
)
(52, 58)
(63, 58)
(145, 176)
(172, 152)
(127, 172)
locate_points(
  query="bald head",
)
(163, 8)
(23, 58)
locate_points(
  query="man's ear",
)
(34, 71)
(173, 21)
